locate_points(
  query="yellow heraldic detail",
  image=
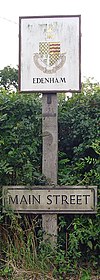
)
(49, 59)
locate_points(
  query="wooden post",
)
(50, 157)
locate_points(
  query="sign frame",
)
(45, 88)
(49, 190)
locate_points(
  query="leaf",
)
(90, 244)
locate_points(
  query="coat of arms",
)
(49, 58)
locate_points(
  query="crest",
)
(49, 58)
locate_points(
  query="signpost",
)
(50, 54)
(50, 156)
(50, 62)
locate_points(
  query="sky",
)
(10, 10)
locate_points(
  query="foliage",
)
(19, 238)
(79, 164)
(29, 257)
(79, 138)
(20, 140)
(9, 78)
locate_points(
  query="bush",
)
(79, 139)
(20, 141)
(78, 164)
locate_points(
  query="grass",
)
(25, 256)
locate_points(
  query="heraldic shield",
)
(49, 59)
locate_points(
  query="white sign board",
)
(67, 199)
(50, 54)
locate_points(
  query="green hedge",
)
(20, 139)
(79, 157)
(79, 138)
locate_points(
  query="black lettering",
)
(47, 80)
(38, 80)
(34, 80)
(56, 196)
(29, 199)
(72, 199)
(64, 199)
(42, 80)
(63, 80)
(79, 199)
(13, 200)
(34, 198)
(48, 197)
(56, 80)
(52, 80)
(86, 198)
(23, 200)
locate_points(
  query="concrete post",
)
(50, 157)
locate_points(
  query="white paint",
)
(89, 10)
(63, 199)
(63, 30)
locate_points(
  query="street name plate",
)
(60, 199)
